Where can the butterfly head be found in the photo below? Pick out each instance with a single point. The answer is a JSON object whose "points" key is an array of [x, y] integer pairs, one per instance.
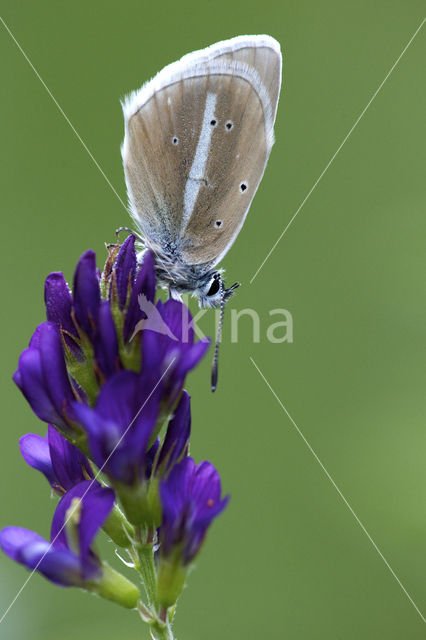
{"points": [[211, 291]]}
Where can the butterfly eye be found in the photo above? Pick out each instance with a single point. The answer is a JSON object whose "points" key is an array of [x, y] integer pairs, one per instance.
{"points": [[214, 287]]}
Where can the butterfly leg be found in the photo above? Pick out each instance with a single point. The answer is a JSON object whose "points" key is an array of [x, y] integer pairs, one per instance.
{"points": [[133, 233]]}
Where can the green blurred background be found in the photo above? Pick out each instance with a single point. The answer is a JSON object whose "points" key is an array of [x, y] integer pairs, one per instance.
{"points": [[287, 559]]}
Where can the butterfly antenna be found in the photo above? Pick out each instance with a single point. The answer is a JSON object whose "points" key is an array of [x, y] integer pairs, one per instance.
{"points": [[218, 336]]}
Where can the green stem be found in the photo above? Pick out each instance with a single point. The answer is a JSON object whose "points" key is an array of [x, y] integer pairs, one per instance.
{"points": [[148, 573], [160, 628], [156, 616], [161, 631]]}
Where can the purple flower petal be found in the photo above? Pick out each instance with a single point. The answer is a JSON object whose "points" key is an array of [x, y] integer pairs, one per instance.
{"points": [[34, 552], [125, 269], [35, 451], [58, 300], [177, 435], [192, 355], [103, 435], [69, 464], [145, 285], [86, 295], [96, 504], [190, 498], [57, 565], [30, 379], [54, 369], [35, 338], [106, 342], [172, 356], [120, 426], [13, 539], [117, 400], [179, 320]]}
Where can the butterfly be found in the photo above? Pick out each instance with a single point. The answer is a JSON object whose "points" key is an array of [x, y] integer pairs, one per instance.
{"points": [[197, 140]]}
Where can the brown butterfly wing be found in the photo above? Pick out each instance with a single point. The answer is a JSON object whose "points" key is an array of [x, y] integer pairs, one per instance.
{"points": [[182, 192], [235, 164], [159, 146], [264, 55]]}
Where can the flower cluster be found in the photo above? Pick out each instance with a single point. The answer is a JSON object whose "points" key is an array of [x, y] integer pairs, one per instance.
{"points": [[106, 372]]}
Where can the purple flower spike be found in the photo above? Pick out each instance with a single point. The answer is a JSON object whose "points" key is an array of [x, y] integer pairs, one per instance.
{"points": [[191, 499], [67, 560], [42, 377], [177, 436], [119, 428], [125, 269], [86, 295], [62, 463]]}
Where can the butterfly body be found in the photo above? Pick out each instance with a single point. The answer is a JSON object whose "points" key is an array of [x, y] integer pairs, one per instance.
{"points": [[178, 277]]}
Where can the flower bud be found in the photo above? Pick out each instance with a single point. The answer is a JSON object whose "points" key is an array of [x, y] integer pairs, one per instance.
{"points": [[115, 587]]}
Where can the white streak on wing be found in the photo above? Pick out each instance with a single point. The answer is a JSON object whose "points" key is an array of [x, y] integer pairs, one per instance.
{"points": [[196, 174]]}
